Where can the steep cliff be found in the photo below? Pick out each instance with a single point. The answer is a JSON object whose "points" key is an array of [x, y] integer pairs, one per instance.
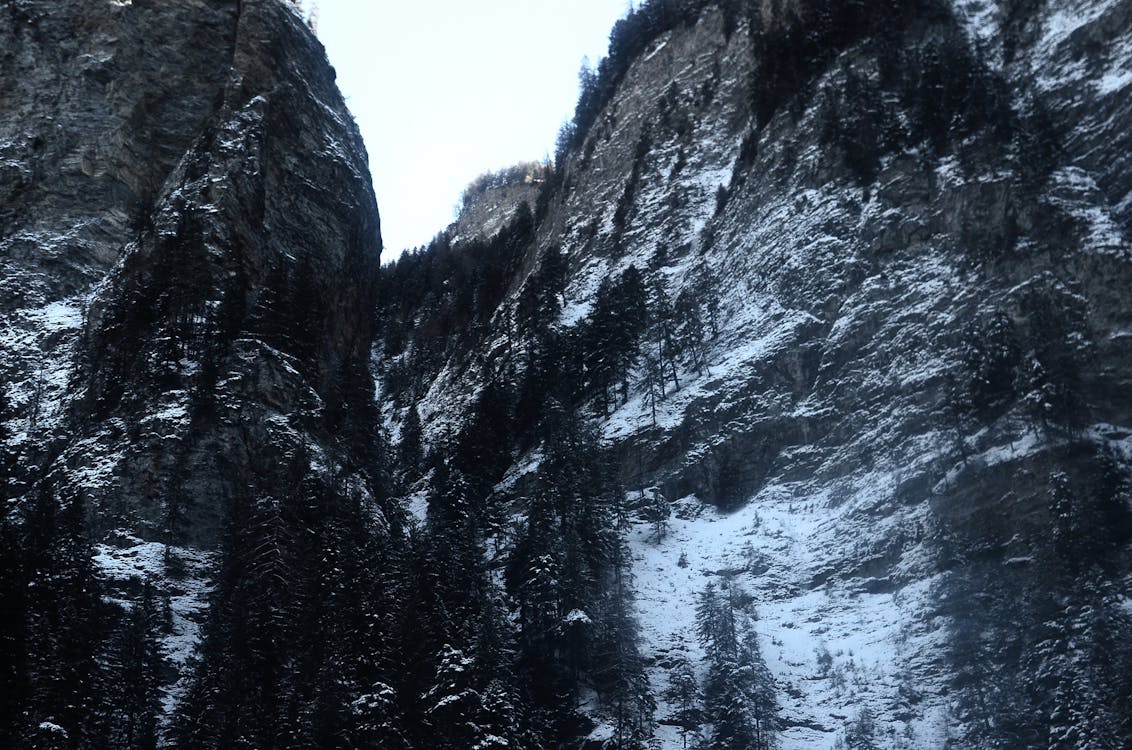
{"points": [[190, 244], [883, 382]]}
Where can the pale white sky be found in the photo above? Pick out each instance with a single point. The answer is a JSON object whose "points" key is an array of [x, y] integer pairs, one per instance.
{"points": [[444, 90]]}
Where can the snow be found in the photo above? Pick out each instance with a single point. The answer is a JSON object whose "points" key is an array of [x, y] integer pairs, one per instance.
{"points": [[417, 505], [527, 465], [776, 546], [577, 617], [636, 414], [170, 412], [656, 50], [1055, 63], [130, 558], [1114, 81], [1013, 451], [143, 560], [59, 315], [37, 380], [1071, 16], [573, 312], [1076, 191], [98, 470], [602, 733], [980, 18]]}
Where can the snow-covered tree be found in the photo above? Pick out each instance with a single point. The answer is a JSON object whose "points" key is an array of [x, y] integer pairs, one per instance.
{"points": [[683, 693], [657, 511], [739, 691]]}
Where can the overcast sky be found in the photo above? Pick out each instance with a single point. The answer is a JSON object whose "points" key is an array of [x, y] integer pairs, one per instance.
{"points": [[444, 90]]}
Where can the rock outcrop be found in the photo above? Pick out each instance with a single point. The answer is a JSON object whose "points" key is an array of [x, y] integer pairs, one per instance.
{"points": [[191, 216], [189, 248]]}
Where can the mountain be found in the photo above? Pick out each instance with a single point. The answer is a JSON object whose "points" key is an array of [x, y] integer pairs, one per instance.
{"points": [[789, 407], [190, 249]]}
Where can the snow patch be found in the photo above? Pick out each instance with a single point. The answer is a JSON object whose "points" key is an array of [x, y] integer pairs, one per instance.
{"points": [[832, 648], [1114, 81], [129, 559]]}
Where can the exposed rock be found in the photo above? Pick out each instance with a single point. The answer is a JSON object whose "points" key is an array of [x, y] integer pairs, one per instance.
{"points": [[232, 236], [189, 245]]}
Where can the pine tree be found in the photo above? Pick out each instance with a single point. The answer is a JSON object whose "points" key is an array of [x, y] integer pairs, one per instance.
{"points": [[452, 704], [663, 324], [683, 693], [174, 526], [483, 453], [131, 679], [739, 691], [410, 454], [619, 672], [657, 511], [499, 725], [860, 734], [992, 355], [553, 272], [567, 573], [609, 339], [1059, 347], [690, 332], [63, 620], [13, 613], [375, 718], [355, 572], [654, 384], [300, 634]]}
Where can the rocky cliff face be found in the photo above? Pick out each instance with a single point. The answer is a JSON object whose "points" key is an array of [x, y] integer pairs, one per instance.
{"points": [[189, 242], [904, 420], [190, 232]]}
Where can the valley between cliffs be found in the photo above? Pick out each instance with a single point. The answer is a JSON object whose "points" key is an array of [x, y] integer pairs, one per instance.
{"points": [[789, 406]]}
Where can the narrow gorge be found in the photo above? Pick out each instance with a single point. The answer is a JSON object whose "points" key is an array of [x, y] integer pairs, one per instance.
{"points": [[787, 406]]}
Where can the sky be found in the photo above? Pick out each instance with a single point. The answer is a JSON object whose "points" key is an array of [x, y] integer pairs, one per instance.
{"points": [[445, 90]]}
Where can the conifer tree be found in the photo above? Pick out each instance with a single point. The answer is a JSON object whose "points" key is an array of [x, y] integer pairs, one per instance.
{"points": [[410, 453], [739, 690], [654, 382], [131, 676], [64, 620], [13, 635], [663, 331], [683, 693], [13, 590], [619, 669], [860, 734], [657, 511], [452, 704], [690, 334]]}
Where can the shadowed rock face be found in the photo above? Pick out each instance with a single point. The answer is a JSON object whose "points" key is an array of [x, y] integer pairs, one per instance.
{"points": [[187, 196], [100, 102]]}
